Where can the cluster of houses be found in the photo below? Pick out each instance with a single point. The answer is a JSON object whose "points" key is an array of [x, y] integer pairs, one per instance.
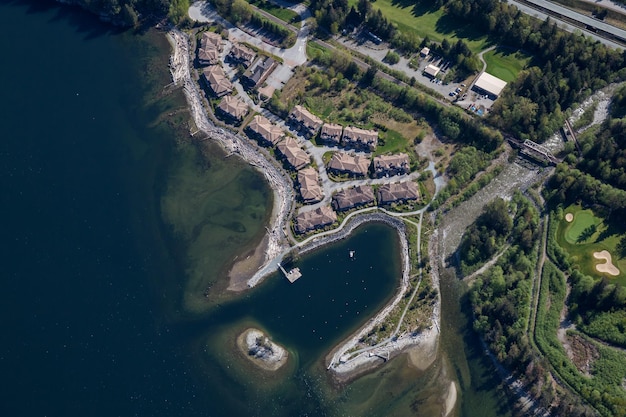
{"points": [[233, 109], [257, 69], [359, 196]]}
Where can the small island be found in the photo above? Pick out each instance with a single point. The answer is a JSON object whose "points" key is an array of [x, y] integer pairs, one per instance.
{"points": [[261, 351]]}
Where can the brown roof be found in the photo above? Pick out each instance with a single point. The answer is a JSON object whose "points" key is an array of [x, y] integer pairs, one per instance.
{"points": [[354, 164], [313, 219], [215, 77], [242, 54], [211, 40], [306, 118], [208, 56], [293, 153], [396, 164], [399, 191], [234, 107], [266, 129], [331, 132], [360, 138], [353, 197], [309, 185]]}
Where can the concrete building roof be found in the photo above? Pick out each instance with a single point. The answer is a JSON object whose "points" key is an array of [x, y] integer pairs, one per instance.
{"points": [[216, 78], [490, 84], [310, 188], [234, 107], [306, 118], [425, 51], [396, 164], [331, 132], [432, 70], [353, 164], [360, 138], [266, 129], [293, 153], [313, 219], [353, 197], [399, 191]]}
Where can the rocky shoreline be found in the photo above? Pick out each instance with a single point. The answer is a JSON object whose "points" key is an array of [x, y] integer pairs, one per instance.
{"points": [[275, 244], [259, 349]]}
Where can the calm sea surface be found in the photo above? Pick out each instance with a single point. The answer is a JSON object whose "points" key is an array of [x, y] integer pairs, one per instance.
{"points": [[115, 226]]}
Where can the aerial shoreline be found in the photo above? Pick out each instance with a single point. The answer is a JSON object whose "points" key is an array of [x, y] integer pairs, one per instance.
{"points": [[272, 246]]}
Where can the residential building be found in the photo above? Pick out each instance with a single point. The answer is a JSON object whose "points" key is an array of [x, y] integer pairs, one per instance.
{"points": [[353, 197], [357, 138], [265, 131], [295, 156], [331, 133], [398, 192], [240, 54], [306, 122], [216, 80], [390, 165], [315, 219], [233, 108], [310, 188], [356, 165], [258, 72], [210, 48]]}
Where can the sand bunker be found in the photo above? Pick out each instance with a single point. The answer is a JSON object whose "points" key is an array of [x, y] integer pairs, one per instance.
{"points": [[608, 266], [569, 217]]}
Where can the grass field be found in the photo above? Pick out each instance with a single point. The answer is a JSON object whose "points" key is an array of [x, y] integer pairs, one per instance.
{"points": [[505, 64], [283, 14], [428, 20], [570, 236]]}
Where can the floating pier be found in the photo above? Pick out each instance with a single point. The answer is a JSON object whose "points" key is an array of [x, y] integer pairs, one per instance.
{"points": [[292, 275]]}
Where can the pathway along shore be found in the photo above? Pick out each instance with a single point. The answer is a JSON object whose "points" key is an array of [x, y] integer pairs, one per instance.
{"points": [[343, 370]]}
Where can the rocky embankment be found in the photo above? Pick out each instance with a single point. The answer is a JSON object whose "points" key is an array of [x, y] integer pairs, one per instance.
{"points": [[180, 69], [258, 348]]}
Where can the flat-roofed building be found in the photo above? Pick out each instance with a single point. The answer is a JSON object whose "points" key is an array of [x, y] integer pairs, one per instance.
{"points": [[331, 133], [396, 164], [310, 188], [295, 156], [265, 131], [353, 197], [398, 192], [305, 121], [357, 138], [240, 54], [233, 108], [431, 70], [356, 165], [425, 51], [216, 80], [490, 85], [315, 219]]}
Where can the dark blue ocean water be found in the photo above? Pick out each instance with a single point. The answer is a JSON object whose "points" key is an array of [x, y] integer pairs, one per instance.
{"points": [[92, 318]]}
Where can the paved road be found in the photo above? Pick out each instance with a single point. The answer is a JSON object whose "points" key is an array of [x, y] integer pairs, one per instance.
{"points": [[565, 25]]}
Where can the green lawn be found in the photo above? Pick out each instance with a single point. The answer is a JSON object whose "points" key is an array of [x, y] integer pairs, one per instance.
{"points": [[505, 64], [428, 20], [605, 237], [283, 14], [393, 141]]}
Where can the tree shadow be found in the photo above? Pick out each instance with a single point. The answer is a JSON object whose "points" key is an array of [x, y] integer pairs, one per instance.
{"points": [[419, 8], [450, 25]]}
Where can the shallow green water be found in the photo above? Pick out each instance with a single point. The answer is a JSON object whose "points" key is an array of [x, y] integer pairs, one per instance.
{"points": [[114, 227]]}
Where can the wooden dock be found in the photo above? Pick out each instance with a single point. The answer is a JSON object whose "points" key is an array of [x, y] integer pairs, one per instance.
{"points": [[292, 275]]}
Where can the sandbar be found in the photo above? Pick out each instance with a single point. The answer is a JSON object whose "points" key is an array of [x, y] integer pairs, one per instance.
{"points": [[607, 267], [569, 217], [450, 399], [261, 351]]}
